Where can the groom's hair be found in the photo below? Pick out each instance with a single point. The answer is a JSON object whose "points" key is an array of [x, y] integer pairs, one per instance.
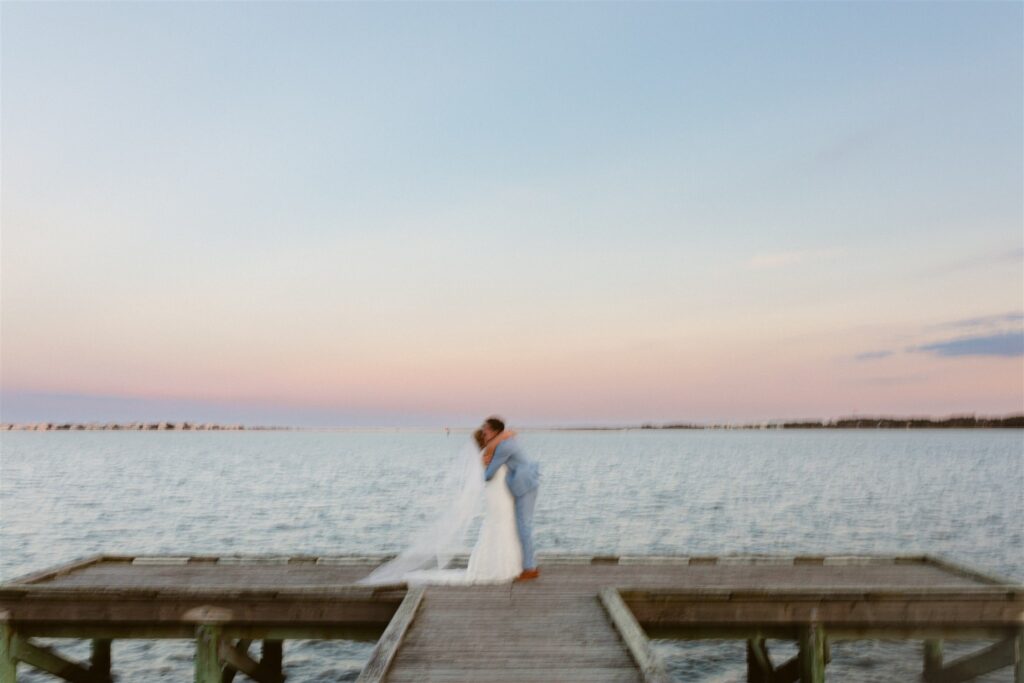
{"points": [[495, 423]]}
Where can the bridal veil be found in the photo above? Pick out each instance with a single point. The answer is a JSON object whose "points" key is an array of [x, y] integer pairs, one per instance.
{"points": [[434, 546]]}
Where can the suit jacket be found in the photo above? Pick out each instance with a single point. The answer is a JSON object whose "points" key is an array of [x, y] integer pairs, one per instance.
{"points": [[523, 474]]}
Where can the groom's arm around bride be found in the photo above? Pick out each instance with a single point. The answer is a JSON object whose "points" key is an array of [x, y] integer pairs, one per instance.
{"points": [[523, 480], [523, 473]]}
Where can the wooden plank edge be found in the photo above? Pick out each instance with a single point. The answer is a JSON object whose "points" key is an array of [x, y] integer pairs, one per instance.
{"points": [[652, 669], [969, 572], [742, 559], [260, 559], [384, 652], [1011, 594], [57, 570], [836, 632], [384, 593]]}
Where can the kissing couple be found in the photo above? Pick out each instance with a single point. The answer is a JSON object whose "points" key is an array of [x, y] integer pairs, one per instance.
{"points": [[495, 468]]}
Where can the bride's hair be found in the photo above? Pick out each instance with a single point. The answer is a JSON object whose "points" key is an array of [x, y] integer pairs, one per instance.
{"points": [[478, 435]]}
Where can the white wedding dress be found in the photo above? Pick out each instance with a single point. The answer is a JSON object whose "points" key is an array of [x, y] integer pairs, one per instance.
{"points": [[497, 556]]}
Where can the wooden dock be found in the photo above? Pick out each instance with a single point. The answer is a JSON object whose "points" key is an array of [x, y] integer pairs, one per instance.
{"points": [[586, 619]]}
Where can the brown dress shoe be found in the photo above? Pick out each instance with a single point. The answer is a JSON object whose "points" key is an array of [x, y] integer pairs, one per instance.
{"points": [[528, 574]]}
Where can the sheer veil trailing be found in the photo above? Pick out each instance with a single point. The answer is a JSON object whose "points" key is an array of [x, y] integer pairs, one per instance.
{"points": [[434, 546]]}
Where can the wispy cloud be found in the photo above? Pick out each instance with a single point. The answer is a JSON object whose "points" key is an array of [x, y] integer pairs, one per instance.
{"points": [[872, 355], [781, 259], [1006, 344], [997, 257], [859, 140], [984, 321], [895, 380], [998, 334]]}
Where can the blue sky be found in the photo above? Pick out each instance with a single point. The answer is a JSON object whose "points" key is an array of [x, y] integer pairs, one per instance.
{"points": [[420, 211]]}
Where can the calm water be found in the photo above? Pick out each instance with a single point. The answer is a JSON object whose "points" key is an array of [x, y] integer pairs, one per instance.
{"points": [[955, 493]]}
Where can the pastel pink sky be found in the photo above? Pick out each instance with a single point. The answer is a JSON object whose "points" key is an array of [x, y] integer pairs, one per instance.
{"points": [[352, 228]]}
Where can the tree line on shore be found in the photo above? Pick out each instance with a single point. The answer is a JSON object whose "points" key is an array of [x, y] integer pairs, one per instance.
{"points": [[868, 422], [130, 426]]}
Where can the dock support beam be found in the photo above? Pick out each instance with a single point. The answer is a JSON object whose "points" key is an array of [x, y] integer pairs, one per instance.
{"points": [[236, 658], [812, 654], [8, 664], [759, 664], [1018, 657], [208, 637], [987, 660], [228, 672]]}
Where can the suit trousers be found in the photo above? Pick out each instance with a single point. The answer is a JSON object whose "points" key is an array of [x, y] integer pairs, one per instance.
{"points": [[524, 524]]}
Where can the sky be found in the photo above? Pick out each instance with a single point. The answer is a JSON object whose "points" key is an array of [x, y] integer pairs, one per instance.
{"points": [[420, 214]]}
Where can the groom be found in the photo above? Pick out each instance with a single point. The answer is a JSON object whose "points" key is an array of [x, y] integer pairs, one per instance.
{"points": [[523, 479]]}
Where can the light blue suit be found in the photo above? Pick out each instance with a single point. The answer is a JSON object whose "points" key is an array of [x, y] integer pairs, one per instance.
{"points": [[523, 479]]}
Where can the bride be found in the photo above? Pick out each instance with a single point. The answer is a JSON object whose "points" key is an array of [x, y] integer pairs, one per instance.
{"points": [[497, 556]]}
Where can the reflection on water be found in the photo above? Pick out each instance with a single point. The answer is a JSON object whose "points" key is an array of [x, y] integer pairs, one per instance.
{"points": [[954, 493]]}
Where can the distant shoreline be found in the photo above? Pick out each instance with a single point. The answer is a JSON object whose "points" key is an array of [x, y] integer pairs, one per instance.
{"points": [[1012, 421], [131, 427], [863, 422]]}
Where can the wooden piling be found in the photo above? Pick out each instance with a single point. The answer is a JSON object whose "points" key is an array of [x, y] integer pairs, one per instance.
{"points": [[207, 658], [272, 655], [812, 653], [932, 657], [8, 664], [99, 662]]}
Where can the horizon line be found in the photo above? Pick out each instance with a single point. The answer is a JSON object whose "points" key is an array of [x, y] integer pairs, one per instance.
{"points": [[185, 425]]}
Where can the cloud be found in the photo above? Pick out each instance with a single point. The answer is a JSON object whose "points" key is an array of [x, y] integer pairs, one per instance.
{"points": [[779, 259], [999, 334], [984, 321], [895, 380], [854, 142], [1014, 255], [1004, 344], [872, 355], [30, 406]]}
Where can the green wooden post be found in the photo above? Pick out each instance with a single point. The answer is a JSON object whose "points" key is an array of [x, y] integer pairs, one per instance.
{"points": [[100, 660], [272, 655], [207, 653], [8, 664], [812, 654], [932, 658]]}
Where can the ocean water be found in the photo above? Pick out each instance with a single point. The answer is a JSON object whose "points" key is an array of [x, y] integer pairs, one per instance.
{"points": [[954, 493]]}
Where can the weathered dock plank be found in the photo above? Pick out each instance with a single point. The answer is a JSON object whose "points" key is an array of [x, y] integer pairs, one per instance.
{"points": [[525, 631]]}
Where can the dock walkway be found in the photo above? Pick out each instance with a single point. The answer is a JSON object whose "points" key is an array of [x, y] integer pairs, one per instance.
{"points": [[586, 618]]}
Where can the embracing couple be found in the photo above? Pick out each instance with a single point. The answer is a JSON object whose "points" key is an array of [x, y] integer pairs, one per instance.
{"points": [[511, 494], [493, 468]]}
